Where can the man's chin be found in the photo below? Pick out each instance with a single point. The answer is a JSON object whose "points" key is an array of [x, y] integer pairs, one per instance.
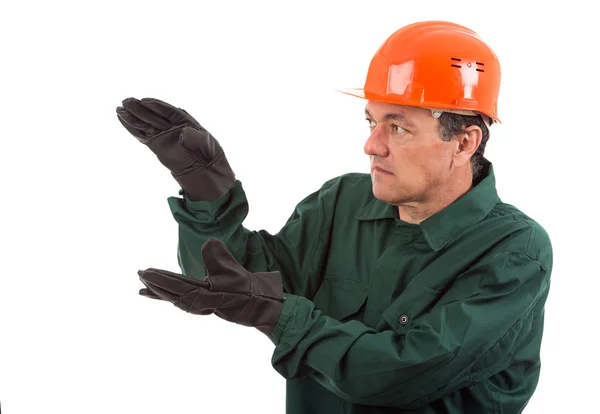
{"points": [[388, 192], [382, 193]]}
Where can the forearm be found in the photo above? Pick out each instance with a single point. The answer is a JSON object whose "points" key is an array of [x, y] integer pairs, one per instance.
{"points": [[223, 219], [350, 359], [386, 368], [296, 251]]}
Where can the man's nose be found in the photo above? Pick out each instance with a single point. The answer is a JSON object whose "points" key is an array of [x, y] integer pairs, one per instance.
{"points": [[376, 144]]}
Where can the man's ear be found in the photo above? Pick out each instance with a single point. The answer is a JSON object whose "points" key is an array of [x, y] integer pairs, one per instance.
{"points": [[468, 142]]}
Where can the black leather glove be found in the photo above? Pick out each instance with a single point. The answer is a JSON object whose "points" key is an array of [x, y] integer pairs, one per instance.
{"points": [[194, 157], [229, 291]]}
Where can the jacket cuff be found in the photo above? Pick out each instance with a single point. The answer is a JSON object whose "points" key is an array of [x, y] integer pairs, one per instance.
{"points": [[289, 306], [210, 207]]}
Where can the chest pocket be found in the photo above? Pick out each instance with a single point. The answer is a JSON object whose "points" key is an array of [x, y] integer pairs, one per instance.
{"points": [[340, 298], [406, 309]]}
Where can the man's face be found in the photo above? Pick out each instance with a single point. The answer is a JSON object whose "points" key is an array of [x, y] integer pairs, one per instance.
{"points": [[409, 161]]}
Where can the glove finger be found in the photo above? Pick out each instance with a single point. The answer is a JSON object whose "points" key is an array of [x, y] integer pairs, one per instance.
{"points": [[146, 115], [172, 282], [140, 135], [149, 294], [174, 115], [198, 301], [137, 123], [163, 294]]}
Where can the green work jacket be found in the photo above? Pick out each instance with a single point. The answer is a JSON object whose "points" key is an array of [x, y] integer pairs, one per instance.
{"points": [[383, 316]]}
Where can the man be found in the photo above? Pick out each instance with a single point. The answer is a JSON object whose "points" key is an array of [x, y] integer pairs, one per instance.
{"points": [[414, 289]]}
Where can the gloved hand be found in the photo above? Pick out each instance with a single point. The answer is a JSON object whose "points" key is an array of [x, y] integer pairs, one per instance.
{"points": [[229, 291], [194, 157]]}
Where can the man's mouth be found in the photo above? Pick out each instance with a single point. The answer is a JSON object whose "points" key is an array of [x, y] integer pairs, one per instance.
{"points": [[380, 170]]}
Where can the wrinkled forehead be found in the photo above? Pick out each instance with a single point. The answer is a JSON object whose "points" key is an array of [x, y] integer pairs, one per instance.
{"points": [[416, 113], [408, 114]]}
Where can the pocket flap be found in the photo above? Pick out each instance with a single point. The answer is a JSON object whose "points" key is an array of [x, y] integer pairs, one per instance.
{"points": [[340, 298], [409, 306]]}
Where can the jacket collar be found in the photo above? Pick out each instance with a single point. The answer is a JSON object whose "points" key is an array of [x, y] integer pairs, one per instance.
{"points": [[445, 225]]}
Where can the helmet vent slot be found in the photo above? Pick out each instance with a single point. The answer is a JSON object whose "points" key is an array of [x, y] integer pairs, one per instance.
{"points": [[468, 64]]}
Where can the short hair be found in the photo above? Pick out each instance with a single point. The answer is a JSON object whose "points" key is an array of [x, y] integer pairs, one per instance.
{"points": [[452, 124]]}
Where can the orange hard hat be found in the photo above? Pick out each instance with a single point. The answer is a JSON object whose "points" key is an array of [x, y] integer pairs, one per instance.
{"points": [[436, 65]]}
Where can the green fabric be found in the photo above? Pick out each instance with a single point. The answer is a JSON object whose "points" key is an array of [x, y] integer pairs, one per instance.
{"points": [[383, 316]]}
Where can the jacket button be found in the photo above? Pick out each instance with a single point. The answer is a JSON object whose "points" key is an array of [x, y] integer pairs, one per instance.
{"points": [[403, 319]]}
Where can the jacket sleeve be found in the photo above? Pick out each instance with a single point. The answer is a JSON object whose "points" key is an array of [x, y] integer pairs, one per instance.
{"points": [[294, 250], [466, 337]]}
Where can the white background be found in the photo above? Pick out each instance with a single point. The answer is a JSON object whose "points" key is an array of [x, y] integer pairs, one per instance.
{"points": [[84, 205]]}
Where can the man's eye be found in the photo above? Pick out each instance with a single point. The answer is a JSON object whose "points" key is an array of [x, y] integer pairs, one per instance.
{"points": [[371, 123], [397, 129]]}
